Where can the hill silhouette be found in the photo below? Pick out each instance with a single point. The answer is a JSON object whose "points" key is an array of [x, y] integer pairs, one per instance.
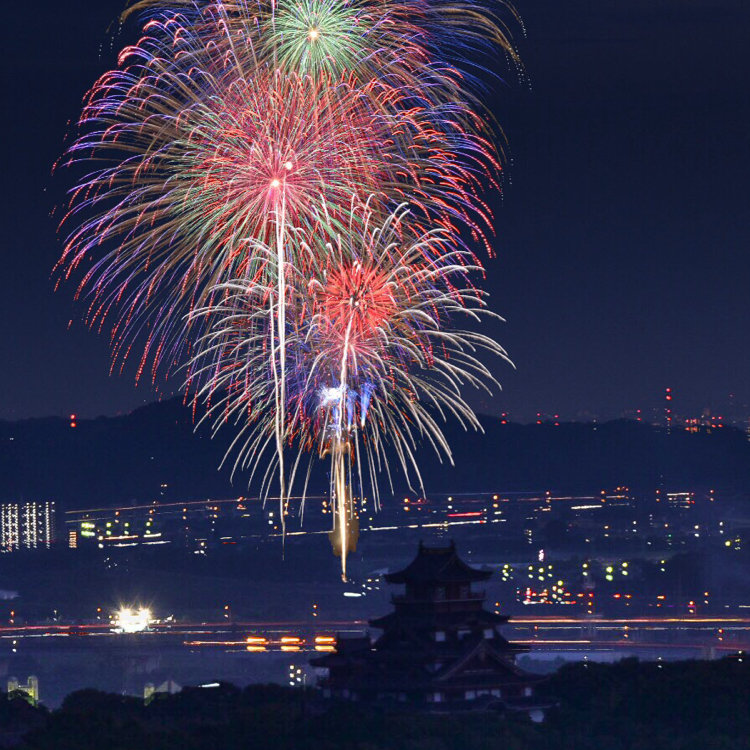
{"points": [[111, 460]]}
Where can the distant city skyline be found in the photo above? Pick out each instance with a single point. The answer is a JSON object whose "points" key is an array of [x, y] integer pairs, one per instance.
{"points": [[729, 409]]}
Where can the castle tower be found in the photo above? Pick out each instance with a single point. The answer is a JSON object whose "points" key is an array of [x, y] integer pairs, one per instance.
{"points": [[439, 647]]}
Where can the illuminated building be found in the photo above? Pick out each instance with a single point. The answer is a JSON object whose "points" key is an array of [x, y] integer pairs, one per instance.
{"points": [[168, 687], [681, 500], [194, 524], [297, 675], [668, 414], [439, 648], [30, 689], [10, 538], [26, 525]]}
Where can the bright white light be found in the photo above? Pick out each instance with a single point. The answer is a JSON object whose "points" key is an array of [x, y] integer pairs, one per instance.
{"points": [[313, 34], [330, 395], [275, 182], [127, 620]]}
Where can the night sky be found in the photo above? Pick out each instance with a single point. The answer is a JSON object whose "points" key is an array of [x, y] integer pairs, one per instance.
{"points": [[623, 241]]}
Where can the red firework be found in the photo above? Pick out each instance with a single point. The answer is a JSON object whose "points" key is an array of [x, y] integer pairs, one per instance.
{"points": [[357, 298]]}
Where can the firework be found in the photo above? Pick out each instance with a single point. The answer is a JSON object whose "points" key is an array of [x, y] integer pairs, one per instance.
{"points": [[374, 351], [202, 149], [403, 42], [221, 227]]}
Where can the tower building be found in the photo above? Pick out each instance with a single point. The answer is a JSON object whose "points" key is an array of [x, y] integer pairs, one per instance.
{"points": [[26, 525], [439, 648]]}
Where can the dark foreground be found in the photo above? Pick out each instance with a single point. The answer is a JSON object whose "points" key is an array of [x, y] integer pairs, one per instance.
{"points": [[629, 705]]}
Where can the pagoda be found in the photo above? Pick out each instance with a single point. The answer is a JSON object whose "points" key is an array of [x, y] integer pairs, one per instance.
{"points": [[439, 648]]}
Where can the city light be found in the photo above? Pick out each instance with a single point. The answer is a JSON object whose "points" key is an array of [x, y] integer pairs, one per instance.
{"points": [[130, 620]]}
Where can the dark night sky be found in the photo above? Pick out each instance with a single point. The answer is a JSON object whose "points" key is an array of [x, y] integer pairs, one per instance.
{"points": [[623, 239]]}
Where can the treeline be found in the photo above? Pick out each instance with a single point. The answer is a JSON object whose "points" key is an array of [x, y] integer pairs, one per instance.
{"points": [[625, 706], [108, 461]]}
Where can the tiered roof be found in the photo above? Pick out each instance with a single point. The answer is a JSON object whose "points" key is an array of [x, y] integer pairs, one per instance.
{"points": [[439, 565], [431, 645]]}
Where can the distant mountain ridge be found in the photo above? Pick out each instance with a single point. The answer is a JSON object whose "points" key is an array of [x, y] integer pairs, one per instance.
{"points": [[111, 460]]}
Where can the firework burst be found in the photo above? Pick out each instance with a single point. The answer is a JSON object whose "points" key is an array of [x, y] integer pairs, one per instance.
{"points": [[201, 149], [220, 226], [374, 353]]}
